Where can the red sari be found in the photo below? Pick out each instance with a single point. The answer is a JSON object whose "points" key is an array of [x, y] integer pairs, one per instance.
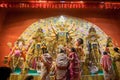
{"points": [[106, 63], [74, 66]]}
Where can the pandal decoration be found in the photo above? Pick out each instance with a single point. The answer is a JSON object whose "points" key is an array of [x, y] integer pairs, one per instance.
{"points": [[54, 32]]}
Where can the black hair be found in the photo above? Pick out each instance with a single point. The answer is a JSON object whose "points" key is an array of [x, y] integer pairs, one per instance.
{"points": [[105, 53], [73, 49], [30, 77], [46, 51], [80, 40], [107, 45], [116, 49], [62, 51], [5, 73]]}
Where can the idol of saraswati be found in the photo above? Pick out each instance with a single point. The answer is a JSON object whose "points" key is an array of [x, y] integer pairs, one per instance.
{"points": [[93, 46]]}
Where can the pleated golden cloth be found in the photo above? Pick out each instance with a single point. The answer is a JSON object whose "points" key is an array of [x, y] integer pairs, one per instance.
{"points": [[37, 77]]}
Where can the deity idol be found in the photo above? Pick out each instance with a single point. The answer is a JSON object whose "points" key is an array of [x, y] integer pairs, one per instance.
{"points": [[38, 38], [16, 53], [61, 35], [35, 49], [93, 46]]}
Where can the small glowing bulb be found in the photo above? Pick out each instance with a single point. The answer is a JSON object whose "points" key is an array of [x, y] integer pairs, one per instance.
{"points": [[62, 19]]}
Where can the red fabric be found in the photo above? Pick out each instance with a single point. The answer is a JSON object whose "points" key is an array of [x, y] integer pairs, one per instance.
{"points": [[106, 62], [74, 65]]}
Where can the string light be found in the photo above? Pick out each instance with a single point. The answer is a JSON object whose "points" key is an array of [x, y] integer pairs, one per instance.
{"points": [[61, 4]]}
